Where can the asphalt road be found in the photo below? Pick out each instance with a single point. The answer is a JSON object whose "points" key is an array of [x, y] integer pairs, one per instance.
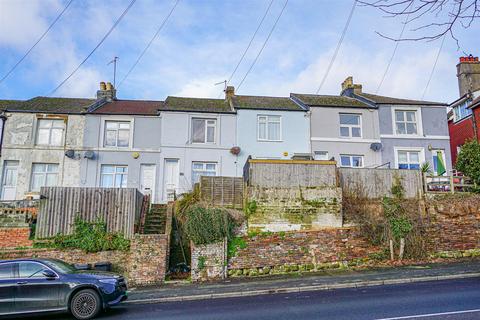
{"points": [[451, 300]]}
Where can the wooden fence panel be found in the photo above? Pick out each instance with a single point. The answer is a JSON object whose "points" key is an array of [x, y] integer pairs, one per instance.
{"points": [[222, 191], [291, 173], [118, 207], [376, 183]]}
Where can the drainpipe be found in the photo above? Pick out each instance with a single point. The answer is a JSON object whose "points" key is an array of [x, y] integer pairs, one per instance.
{"points": [[3, 118]]}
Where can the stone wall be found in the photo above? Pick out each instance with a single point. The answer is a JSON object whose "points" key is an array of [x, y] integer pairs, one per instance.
{"points": [[296, 208], [298, 251], [454, 222], [209, 261], [143, 264]]}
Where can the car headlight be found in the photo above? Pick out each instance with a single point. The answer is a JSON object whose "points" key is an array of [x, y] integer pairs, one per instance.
{"points": [[109, 281]]}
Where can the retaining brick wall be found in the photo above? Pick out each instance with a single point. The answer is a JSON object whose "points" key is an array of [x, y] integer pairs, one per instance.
{"points": [[14, 237], [208, 261], [300, 250], [143, 264]]}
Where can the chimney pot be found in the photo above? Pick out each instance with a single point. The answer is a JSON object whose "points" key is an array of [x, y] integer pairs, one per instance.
{"points": [[107, 91], [102, 86], [229, 92]]}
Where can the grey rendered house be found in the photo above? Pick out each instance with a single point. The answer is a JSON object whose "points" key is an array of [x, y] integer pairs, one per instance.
{"points": [[412, 132], [42, 145], [343, 129]]}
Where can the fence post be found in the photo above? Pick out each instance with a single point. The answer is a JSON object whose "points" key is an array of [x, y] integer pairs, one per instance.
{"points": [[452, 185], [425, 185]]}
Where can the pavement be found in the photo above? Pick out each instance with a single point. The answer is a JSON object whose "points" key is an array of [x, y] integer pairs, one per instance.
{"points": [[457, 299], [242, 287]]}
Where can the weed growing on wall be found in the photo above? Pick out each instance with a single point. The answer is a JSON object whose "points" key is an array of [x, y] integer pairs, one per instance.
{"points": [[90, 237], [234, 244]]}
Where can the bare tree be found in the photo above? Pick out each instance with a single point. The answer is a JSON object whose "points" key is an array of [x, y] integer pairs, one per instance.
{"points": [[430, 19]]}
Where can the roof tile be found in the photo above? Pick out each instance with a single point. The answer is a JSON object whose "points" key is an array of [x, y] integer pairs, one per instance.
{"points": [[389, 100], [265, 103], [196, 105], [316, 100]]}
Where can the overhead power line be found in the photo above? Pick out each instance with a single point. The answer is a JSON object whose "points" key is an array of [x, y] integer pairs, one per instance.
{"points": [[264, 45], [96, 47], [37, 42], [393, 55], [344, 32], [150, 42], [250, 43], [434, 67]]}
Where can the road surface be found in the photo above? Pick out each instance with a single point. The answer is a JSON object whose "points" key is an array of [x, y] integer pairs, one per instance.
{"points": [[451, 300]]}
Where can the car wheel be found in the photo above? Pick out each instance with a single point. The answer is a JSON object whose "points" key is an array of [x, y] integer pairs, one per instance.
{"points": [[85, 304]]}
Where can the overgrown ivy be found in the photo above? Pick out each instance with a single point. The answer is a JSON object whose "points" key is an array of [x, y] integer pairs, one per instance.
{"points": [[90, 237]]}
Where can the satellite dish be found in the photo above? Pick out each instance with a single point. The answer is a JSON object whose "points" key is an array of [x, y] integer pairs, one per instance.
{"points": [[70, 153], [376, 146], [89, 155]]}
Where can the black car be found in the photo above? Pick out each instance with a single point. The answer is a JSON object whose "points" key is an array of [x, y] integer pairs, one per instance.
{"points": [[42, 285]]}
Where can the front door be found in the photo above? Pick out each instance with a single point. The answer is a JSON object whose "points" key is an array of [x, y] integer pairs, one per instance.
{"points": [[148, 173], [171, 179], [9, 180]]}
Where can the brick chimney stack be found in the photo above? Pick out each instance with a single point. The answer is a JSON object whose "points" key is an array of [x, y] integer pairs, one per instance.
{"points": [[468, 74], [107, 91], [229, 92], [349, 86]]}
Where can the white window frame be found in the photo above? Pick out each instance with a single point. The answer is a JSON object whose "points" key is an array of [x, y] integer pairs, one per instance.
{"points": [[204, 164], [45, 175], [318, 152], [114, 175], [267, 122], [351, 160], [418, 117], [52, 127], [457, 116], [409, 149], [350, 126], [117, 120], [206, 126]]}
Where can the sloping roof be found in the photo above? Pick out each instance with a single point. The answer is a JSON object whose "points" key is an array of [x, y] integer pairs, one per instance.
{"points": [[4, 104], [196, 105], [389, 100], [475, 103], [315, 100], [265, 103], [50, 105], [130, 107]]}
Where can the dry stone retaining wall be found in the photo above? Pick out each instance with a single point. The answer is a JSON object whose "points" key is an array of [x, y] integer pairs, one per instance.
{"points": [[209, 261]]}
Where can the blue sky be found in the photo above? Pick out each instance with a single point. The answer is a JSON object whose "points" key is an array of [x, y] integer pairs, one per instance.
{"points": [[203, 41]]}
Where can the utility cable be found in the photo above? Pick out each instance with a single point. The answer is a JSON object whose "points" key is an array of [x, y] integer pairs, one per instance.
{"points": [[96, 47], [393, 55], [37, 42], [338, 47], [433, 69], [150, 42], [264, 45]]}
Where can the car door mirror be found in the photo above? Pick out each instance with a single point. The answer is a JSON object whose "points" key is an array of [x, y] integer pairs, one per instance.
{"points": [[49, 274]]}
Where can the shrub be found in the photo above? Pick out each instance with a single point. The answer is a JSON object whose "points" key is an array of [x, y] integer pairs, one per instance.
{"points": [[468, 160], [91, 237], [208, 225]]}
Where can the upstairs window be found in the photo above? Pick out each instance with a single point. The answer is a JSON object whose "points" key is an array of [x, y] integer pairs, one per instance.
{"points": [[50, 132], [113, 176], [406, 122], [44, 175], [269, 128], [117, 134], [203, 130], [462, 111], [350, 125]]}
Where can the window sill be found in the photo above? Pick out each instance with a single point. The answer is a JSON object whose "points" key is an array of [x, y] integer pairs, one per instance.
{"points": [[258, 140]]}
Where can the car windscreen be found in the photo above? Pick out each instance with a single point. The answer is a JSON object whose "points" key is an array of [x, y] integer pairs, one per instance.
{"points": [[60, 266]]}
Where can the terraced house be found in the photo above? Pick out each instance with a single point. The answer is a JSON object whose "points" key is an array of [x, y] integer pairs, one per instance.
{"points": [[42, 144], [412, 132]]}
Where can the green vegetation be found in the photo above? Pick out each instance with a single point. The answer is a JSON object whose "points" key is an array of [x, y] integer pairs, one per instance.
{"points": [[88, 236], [468, 161], [250, 208], [201, 262], [234, 244]]}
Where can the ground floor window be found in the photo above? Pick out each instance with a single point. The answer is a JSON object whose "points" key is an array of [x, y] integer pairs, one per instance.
{"points": [[408, 159], [203, 169], [351, 161], [321, 155], [113, 176], [44, 175]]}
